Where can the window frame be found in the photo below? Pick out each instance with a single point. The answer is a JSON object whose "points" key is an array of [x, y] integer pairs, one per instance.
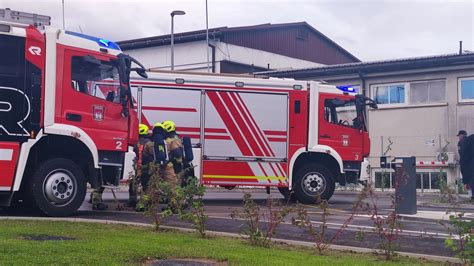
{"points": [[460, 99], [429, 102], [95, 83], [406, 86]]}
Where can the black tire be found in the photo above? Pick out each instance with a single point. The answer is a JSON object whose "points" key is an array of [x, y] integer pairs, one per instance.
{"points": [[58, 187], [313, 182], [287, 194]]}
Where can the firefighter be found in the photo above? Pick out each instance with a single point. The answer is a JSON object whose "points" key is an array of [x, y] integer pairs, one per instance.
{"points": [[466, 160], [155, 152], [141, 162], [174, 145]]}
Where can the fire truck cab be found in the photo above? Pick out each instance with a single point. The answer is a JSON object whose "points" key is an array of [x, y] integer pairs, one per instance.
{"points": [[58, 131]]}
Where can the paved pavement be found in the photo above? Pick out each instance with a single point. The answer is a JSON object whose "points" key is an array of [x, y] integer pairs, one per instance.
{"points": [[421, 233]]}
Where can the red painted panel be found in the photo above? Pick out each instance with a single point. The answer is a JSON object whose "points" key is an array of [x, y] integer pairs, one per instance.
{"points": [[9, 152], [273, 132], [35, 50], [226, 168], [335, 134], [298, 122], [107, 132], [169, 109]]}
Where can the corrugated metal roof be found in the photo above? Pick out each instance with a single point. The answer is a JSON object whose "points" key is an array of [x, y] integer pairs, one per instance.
{"points": [[378, 66]]}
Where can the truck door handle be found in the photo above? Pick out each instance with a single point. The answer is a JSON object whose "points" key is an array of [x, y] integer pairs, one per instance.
{"points": [[73, 117], [325, 136]]}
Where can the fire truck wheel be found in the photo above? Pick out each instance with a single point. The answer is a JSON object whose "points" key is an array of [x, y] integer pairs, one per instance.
{"points": [[58, 187], [313, 181]]}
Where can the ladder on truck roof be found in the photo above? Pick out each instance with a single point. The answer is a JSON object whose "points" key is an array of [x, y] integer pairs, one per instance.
{"points": [[39, 21]]}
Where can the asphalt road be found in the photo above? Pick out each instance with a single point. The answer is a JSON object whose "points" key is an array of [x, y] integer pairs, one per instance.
{"points": [[419, 235]]}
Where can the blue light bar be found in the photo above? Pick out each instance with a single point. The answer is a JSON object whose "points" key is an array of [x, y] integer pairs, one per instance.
{"points": [[347, 88], [99, 41]]}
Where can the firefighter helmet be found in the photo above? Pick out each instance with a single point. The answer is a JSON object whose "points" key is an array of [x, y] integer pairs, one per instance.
{"points": [[143, 129], [169, 126], [158, 125]]}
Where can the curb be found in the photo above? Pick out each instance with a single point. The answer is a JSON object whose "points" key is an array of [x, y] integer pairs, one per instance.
{"points": [[232, 235]]}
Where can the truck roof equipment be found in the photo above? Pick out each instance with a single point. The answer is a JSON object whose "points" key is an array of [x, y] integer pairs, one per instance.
{"points": [[39, 21]]}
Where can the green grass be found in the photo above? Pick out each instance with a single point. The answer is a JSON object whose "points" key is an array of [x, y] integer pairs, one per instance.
{"points": [[120, 244]]}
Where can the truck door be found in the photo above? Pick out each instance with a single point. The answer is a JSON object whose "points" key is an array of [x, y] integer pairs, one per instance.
{"points": [[90, 99], [246, 138], [338, 126]]}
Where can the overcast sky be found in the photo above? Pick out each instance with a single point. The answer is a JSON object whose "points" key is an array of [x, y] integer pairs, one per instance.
{"points": [[369, 29]]}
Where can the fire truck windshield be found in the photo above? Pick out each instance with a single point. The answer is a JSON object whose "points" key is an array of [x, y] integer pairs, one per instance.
{"points": [[341, 112], [95, 77]]}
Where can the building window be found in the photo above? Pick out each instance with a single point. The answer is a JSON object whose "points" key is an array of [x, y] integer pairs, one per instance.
{"points": [[428, 92], [466, 90], [389, 94]]}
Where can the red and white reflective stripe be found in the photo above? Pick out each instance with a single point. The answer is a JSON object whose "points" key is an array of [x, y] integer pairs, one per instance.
{"points": [[260, 136], [429, 164], [5, 155], [8, 159], [245, 131]]}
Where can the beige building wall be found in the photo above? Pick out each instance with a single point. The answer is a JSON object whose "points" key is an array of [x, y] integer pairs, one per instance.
{"points": [[416, 130]]}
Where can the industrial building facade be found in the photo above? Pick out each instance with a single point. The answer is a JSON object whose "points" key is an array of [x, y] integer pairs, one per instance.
{"points": [[423, 102], [241, 49]]}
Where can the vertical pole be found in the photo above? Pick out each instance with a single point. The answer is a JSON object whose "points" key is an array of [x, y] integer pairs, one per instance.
{"points": [[140, 103], [64, 22], [172, 43], [207, 39]]}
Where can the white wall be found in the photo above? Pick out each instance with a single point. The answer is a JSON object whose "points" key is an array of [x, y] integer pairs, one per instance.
{"points": [[192, 56], [187, 56], [259, 58]]}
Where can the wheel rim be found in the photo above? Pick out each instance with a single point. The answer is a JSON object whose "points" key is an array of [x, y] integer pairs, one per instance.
{"points": [[60, 187], [313, 183]]}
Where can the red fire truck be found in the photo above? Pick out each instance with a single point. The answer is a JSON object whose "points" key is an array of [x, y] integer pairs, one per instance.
{"points": [[300, 136], [58, 132]]}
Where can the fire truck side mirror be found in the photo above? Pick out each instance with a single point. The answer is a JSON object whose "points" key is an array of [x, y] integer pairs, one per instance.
{"points": [[141, 72]]}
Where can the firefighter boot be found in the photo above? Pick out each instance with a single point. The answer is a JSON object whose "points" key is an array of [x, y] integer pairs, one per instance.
{"points": [[97, 203], [132, 193]]}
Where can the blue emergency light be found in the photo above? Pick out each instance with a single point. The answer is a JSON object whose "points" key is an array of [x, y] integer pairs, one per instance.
{"points": [[104, 42], [100, 42], [346, 88]]}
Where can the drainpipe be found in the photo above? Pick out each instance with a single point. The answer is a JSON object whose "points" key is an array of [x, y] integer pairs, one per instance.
{"points": [[362, 83], [213, 49]]}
